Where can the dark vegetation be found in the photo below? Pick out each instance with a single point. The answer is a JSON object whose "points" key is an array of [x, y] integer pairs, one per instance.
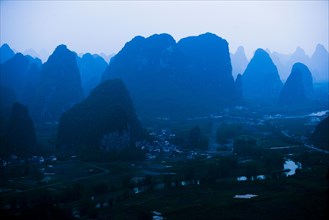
{"points": [[320, 135], [19, 133], [195, 135], [107, 109], [209, 191], [226, 132]]}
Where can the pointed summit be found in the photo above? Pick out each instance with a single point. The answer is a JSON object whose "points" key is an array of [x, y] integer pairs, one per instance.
{"points": [[261, 80], [61, 53], [60, 85], [299, 52], [239, 61], [261, 54], [240, 51], [320, 48], [299, 56], [298, 87], [6, 53]]}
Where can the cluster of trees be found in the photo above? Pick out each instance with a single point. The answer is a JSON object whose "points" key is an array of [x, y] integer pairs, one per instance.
{"points": [[17, 134], [191, 139], [320, 136], [227, 131]]}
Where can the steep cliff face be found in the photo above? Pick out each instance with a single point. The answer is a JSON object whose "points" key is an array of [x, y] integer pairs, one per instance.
{"points": [[298, 87], [106, 119], [60, 85], [194, 75], [207, 68], [261, 81]]}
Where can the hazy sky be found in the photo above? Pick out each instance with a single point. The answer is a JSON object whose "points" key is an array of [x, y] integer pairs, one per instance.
{"points": [[105, 26]]}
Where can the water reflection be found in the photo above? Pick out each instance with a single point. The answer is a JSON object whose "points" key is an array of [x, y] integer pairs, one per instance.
{"points": [[244, 178], [162, 185], [290, 167], [241, 178], [245, 196]]}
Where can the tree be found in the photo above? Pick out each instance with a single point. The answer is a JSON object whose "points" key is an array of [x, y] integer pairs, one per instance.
{"points": [[195, 139], [227, 131], [246, 146]]}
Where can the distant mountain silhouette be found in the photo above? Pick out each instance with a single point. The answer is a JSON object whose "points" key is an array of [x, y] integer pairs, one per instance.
{"points": [[299, 86], [261, 81], [60, 85], [106, 120], [299, 56], [6, 53], [320, 135], [239, 61], [281, 62], [21, 139], [194, 75], [91, 69], [106, 57], [32, 53], [319, 63], [21, 74]]}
